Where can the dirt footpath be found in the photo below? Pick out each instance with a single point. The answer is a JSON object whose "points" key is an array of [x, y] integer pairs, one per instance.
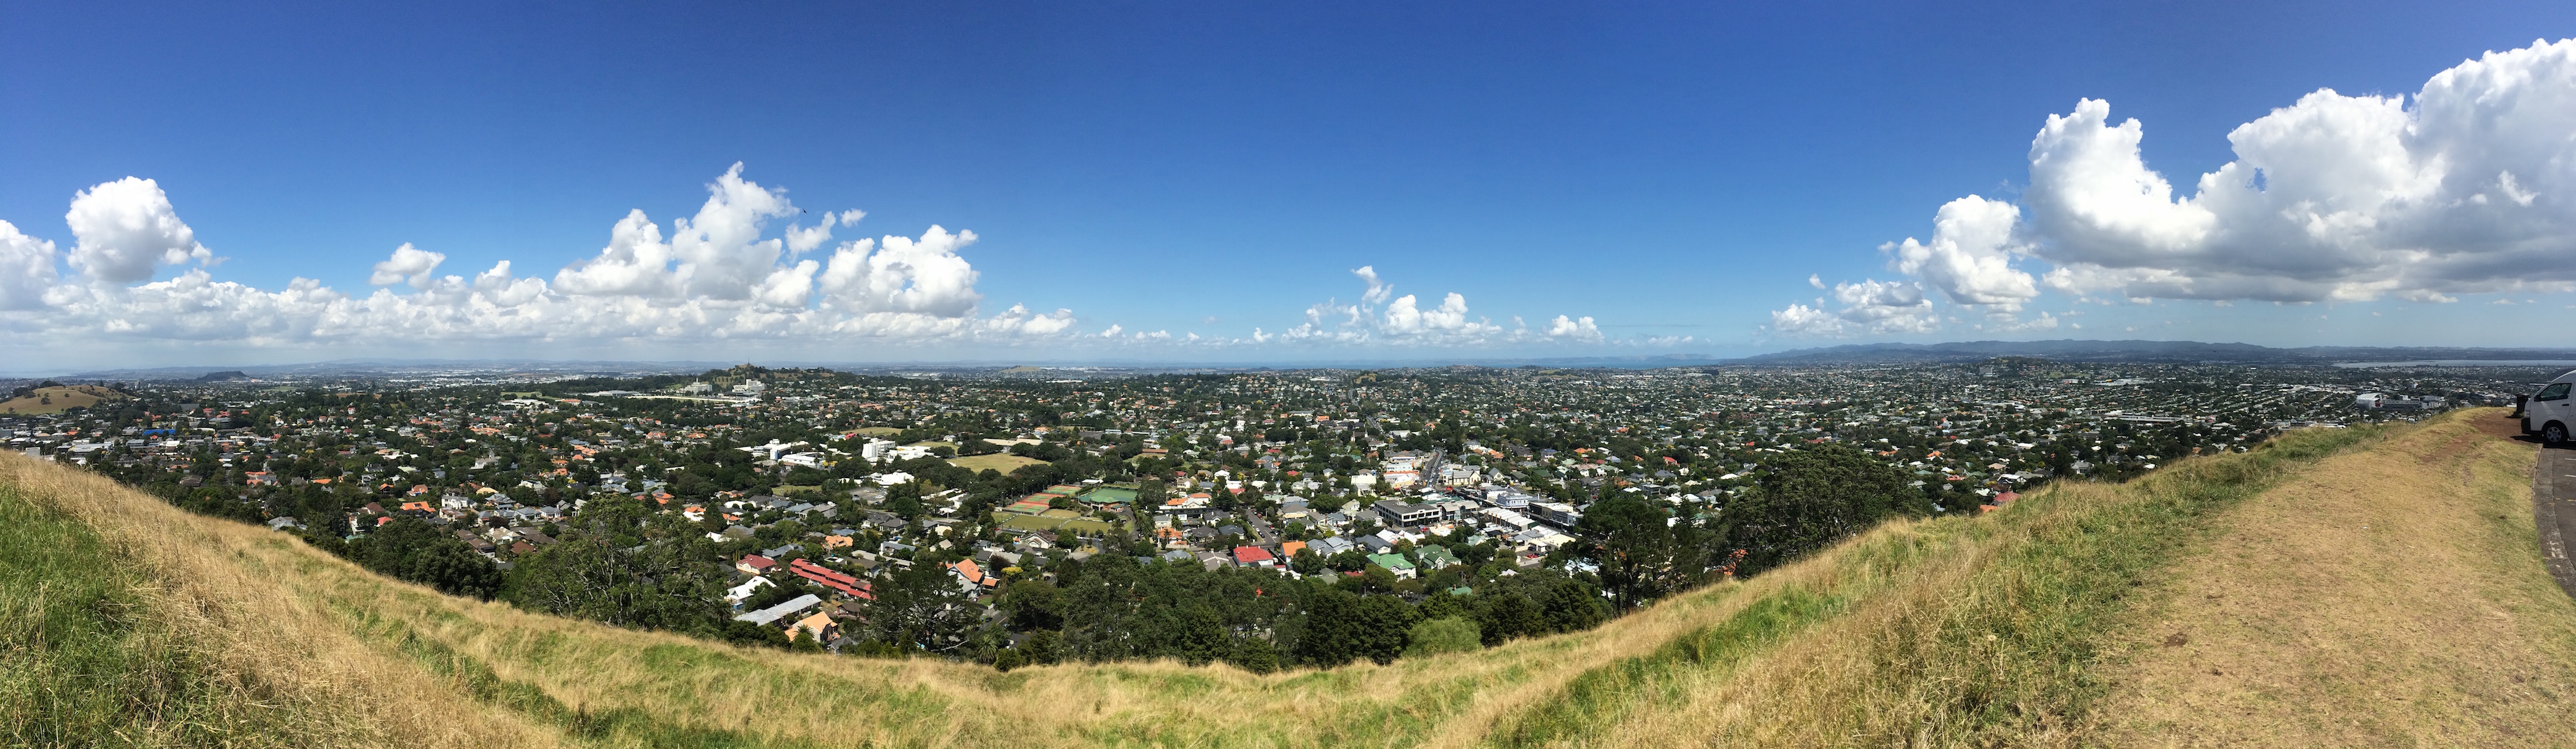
{"points": [[2392, 597]]}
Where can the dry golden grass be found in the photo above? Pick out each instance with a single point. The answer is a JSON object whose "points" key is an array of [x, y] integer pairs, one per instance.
{"points": [[1003, 462], [54, 400], [2021, 631], [1883, 640], [2373, 602], [279, 652]]}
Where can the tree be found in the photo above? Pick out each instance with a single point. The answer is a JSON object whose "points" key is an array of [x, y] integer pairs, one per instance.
{"points": [[411, 549], [1255, 655], [747, 633], [1305, 562], [1342, 626], [1033, 605], [904, 500], [1041, 647], [1505, 615], [611, 568], [1640, 555], [922, 607], [1809, 499]]}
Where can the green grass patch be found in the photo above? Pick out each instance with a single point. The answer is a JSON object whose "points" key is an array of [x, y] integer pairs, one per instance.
{"points": [[86, 660], [1602, 695], [1050, 521]]}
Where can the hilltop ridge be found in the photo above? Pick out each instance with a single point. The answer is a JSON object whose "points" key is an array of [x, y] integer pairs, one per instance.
{"points": [[2044, 623], [2072, 350]]}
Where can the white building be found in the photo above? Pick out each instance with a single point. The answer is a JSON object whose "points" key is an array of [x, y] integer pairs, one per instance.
{"points": [[736, 594]]}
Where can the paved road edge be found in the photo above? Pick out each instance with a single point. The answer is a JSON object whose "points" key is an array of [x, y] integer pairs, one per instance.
{"points": [[2553, 508]]}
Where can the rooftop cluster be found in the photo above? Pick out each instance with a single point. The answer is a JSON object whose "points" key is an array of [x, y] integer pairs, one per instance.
{"points": [[1268, 519]]}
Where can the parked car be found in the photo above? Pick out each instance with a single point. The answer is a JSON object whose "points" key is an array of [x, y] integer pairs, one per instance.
{"points": [[2550, 413]]}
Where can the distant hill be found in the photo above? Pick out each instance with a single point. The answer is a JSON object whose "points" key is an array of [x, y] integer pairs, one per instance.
{"points": [[2136, 351], [366, 368], [2082, 614], [56, 399]]}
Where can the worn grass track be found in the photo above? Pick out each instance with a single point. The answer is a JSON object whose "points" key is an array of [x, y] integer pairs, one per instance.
{"points": [[2367, 603], [1964, 631]]}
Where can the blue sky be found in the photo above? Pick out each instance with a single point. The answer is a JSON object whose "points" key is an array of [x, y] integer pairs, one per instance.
{"points": [[1666, 171]]}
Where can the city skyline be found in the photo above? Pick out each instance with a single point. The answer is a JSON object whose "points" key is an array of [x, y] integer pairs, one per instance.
{"points": [[264, 187]]}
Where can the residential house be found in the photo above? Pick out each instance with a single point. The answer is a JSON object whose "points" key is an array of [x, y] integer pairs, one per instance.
{"points": [[973, 579], [830, 578], [818, 626], [766, 617], [739, 593], [1396, 563]]}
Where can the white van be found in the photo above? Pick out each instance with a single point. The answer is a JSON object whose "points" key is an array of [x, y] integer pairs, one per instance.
{"points": [[2550, 413]]}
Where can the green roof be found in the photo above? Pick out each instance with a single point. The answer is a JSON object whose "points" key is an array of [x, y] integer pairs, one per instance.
{"points": [[1391, 561]]}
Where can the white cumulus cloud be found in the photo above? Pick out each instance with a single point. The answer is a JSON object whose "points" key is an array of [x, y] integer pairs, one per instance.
{"points": [[2463, 189], [126, 229], [1383, 317], [901, 274], [407, 265], [1969, 259], [26, 269], [2468, 186], [717, 277], [1579, 328], [1870, 307]]}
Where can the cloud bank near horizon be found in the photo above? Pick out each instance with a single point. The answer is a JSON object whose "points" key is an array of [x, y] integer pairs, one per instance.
{"points": [[2464, 189], [720, 275]]}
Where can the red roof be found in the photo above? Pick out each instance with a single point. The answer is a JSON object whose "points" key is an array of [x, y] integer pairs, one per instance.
{"points": [[1250, 555], [833, 579], [758, 562]]}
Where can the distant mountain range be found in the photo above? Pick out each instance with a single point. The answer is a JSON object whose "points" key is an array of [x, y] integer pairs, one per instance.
{"points": [[2140, 351]]}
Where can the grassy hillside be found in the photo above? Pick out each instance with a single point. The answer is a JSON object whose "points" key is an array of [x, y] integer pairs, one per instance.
{"points": [[59, 398], [2038, 625]]}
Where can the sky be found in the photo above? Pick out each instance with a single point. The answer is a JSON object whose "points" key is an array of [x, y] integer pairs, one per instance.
{"points": [[243, 183]]}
